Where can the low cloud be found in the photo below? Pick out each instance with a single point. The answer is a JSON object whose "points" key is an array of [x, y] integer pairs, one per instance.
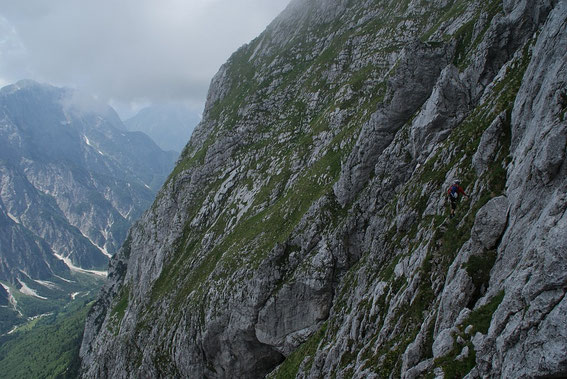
{"points": [[77, 101], [129, 51]]}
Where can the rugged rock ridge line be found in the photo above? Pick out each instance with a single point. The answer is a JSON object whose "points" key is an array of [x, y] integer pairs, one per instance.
{"points": [[305, 231], [72, 181]]}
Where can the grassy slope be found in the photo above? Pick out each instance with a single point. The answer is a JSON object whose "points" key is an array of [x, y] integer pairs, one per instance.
{"points": [[46, 334], [47, 347]]}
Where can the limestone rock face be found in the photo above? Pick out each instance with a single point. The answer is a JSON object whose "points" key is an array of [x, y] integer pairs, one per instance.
{"points": [[305, 231], [417, 71], [445, 108], [490, 222], [488, 145]]}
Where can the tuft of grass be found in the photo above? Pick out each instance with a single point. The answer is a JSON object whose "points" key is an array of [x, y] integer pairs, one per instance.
{"points": [[290, 367], [453, 368], [480, 318]]}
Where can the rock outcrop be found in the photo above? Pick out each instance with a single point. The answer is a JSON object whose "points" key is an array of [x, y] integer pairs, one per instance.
{"points": [[305, 230]]}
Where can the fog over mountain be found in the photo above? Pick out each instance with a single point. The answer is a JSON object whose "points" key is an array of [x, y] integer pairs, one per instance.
{"points": [[169, 125], [130, 52]]}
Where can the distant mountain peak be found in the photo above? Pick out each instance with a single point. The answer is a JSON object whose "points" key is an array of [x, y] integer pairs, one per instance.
{"points": [[72, 180], [24, 84], [169, 125]]}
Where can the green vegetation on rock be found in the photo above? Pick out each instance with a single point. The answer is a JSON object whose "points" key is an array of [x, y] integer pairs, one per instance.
{"points": [[308, 220]]}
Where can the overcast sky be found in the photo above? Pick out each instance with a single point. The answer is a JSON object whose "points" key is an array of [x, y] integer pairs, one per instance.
{"points": [[127, 52]]}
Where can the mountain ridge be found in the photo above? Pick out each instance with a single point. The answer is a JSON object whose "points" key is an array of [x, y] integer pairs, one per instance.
{"points": [[304, 230], [72, 180]]}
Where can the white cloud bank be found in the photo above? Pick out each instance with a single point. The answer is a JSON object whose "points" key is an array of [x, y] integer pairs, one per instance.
{"points": [[128, 51]]}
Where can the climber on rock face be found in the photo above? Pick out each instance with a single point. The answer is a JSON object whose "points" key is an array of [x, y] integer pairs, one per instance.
{"points": [[453, 194]]}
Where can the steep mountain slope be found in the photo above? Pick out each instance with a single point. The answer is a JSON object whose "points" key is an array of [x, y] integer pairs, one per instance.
{"points": [[72, 180], [169, 125], [305, 231]]}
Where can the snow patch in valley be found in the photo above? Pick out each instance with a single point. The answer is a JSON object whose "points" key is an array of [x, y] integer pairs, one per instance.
{"points": [[13, 218], [88, 142], [63, 279], [47, 284], [102, 249], [40, 316], [78, 269], [28, 291], [15, 328], [124, 215]]}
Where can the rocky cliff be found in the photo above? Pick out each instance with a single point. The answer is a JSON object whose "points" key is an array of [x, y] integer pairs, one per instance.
{"points": [[305, 230]]}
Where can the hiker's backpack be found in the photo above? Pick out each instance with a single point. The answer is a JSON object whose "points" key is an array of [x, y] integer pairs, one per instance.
{"points": [[454, 191]]}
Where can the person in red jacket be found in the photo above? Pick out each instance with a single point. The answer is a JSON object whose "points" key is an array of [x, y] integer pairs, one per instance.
{"points": [[453, 193]]}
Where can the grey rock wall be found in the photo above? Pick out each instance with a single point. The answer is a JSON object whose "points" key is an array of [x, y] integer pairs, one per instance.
{"points": [[305, 231]]}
